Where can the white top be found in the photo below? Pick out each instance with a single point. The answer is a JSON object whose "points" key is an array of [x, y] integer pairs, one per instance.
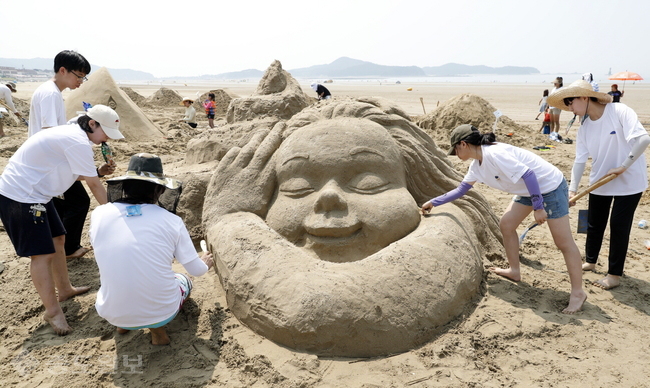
{"points": [[190, 115], [47, 164], [5, 93], [134, 256], [608, 141], [503, 166], [47, 108]]}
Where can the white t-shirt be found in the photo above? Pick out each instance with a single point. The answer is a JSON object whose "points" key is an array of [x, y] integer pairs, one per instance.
{"points": [[134, 256], [5, 93], [503, 166], [608, 141], [47, 164], [47, 108]]}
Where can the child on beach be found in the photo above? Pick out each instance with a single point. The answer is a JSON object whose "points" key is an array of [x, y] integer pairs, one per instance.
{"points": [[190, 112], [210, 107], [546, 125], [538, 186], [542, 104]]}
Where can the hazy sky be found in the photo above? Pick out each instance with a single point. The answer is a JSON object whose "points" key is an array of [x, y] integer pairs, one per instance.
{"points": [[210, 37]]}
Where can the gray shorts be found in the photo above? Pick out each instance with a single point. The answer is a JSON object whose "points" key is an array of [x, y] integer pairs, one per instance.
{"points": [[554, 111]]}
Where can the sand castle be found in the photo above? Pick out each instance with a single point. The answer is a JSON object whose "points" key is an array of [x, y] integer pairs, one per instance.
{"points": [[318, 239], [101, 89]]}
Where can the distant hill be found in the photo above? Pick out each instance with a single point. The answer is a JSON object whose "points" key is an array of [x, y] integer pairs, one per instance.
{"points": [[249, 73], [48, 64], [348, 67], [451, 69]]}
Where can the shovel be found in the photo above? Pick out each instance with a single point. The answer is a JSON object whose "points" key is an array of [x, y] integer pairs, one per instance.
{"points": [[583, 215]]}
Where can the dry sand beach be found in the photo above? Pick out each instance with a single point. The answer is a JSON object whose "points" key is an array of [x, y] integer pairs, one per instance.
{"points": [[513, 336]]}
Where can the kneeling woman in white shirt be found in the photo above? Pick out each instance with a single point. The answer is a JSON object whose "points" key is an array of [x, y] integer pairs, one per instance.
{"points": [[538, 186], [135, 242]]}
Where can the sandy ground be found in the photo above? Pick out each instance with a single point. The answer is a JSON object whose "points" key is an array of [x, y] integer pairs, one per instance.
{"points": [[515, 336]]}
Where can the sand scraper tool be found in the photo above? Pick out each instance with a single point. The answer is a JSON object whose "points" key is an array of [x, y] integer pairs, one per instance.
{"points": [[582, 214]]}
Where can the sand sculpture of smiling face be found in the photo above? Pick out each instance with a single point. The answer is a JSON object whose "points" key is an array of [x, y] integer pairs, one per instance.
{"points": [[317, 238], [342, 190]]}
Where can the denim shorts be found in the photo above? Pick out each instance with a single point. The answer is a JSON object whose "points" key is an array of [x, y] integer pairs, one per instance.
{"points": [[556, 202]]}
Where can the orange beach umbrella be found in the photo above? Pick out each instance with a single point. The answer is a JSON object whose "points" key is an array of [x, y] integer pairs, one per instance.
{"points": [[626, 76]]}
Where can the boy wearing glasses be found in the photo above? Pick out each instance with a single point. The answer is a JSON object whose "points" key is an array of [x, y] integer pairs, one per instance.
{"points": [[47, 108]]}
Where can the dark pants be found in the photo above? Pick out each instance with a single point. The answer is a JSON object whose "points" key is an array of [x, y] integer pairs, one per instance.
{"points": [[619, 228], [73, 210]]}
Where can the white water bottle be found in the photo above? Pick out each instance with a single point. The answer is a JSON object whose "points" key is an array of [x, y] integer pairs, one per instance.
{"points": [[643, 224]]}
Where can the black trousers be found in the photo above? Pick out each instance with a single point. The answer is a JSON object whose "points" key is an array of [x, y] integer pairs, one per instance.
{"points": [[72, 211], [620, 224]]}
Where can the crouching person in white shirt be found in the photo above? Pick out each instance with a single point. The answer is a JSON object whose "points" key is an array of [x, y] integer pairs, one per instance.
{"points": [[135, 242]]}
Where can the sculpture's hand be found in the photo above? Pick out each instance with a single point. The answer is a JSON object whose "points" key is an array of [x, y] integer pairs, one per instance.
{"points": [[244, 177]]}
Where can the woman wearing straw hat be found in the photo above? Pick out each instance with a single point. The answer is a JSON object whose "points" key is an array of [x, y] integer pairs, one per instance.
{"points": [[135, 242], [190, 112], [612, 136]]}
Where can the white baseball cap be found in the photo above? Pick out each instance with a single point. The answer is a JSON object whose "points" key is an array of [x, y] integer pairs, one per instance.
{"points": [[107, 119]]}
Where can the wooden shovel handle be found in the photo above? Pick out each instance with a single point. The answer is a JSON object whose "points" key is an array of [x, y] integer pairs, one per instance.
{"points": [[593, 187]]}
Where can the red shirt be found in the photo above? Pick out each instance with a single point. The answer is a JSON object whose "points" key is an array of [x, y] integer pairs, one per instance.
{"points": [[547, 117]]}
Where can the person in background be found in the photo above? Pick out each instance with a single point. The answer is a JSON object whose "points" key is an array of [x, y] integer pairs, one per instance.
{"points": [[546, 125], [590, 78], [135, 242], [615, 93], [542, 104], [190, 112], [43, 167], [210, 107], [555, 112], [322, 92], [48, 110], [539, 187], [612, 136], [5, 94]]}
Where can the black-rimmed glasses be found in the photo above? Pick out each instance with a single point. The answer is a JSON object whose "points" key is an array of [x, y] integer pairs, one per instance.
{"points": [[81, 77]]}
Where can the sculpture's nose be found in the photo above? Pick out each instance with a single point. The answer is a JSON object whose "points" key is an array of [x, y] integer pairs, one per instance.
{"points": [[330, 198]]}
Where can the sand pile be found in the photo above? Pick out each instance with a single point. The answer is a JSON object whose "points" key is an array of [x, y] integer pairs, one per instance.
{"points": [[101, 89], [278, 94], [221, 97], [11, 120], [164, 97], [135, 97], [472, 109]]}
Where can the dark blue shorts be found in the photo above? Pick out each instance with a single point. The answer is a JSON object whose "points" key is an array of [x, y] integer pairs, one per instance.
{"points": [[210, 115], [31, 232]]}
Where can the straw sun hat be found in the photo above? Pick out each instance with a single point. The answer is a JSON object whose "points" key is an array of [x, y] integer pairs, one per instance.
{"points": [[580, 88], [187, 99]]}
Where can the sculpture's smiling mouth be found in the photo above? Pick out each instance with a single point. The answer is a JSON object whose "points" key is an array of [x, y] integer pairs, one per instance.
{"points": [[333, 235]]}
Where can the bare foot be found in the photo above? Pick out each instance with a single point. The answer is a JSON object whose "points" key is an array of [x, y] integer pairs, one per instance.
{"points": [[72, 292], [608, 282], [509, 273], [575, 302], [122, 331], [79, 253], [58, 323], [159, 336], [588, 266]]}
